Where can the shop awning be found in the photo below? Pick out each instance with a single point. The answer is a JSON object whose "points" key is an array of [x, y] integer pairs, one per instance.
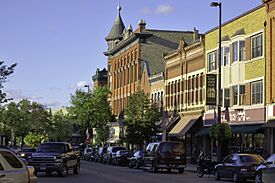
{"points": [[246, 128], [270, 124], [113, 140], [184, 125], [203, 131], [235, 129]]}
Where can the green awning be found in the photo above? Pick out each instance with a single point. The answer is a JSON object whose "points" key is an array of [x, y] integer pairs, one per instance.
{"points": [[203, 131], [250, 129], [246, 128]]}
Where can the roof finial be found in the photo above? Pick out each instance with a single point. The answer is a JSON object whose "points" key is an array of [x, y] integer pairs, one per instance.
{"points": [[118, 6]]}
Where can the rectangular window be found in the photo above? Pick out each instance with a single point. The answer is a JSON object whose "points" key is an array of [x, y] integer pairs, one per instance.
{"points": [[179, 86], [242, 95], [257, 92], [226, 55], [211, 61], [235, 51], [226, 97], [242, 50], [235, 95], [257, 46]]}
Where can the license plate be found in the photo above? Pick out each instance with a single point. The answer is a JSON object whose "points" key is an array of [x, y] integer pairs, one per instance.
{"points": [[43, 168], [177, 157]]}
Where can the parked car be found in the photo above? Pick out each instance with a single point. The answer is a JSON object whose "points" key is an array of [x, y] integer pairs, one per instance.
{"points": [[122, 157], [26, 152], [13, 169], [99, 154], [87, 154], [110, 153], [165, 155], [238, 167], [136, 160], [55, 156], [266, 169], [94, 152], [15, 149]]}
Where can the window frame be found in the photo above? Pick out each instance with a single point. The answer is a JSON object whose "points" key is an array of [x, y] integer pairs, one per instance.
{"points": [[210, 62], [261, 46], [261, 92]]}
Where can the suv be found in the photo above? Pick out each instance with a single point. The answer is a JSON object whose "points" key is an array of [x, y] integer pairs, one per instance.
{"points": [[111, 152], [165, 155], [55, 156]]}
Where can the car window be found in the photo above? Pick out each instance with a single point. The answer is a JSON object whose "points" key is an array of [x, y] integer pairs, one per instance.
{"points": [[154, 148], [271, 158], [250, 158], [1, 167], [171, 147], [51, 148], [11, 159], [229, 160]]}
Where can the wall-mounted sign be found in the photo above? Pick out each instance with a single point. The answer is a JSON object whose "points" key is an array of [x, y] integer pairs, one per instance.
{"points": [[211, 89]]}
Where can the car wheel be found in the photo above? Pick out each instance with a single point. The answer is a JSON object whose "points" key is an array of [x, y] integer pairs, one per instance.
{"points": [[48, 172], [181, 170], [136, 165], [235, 177], [200, 172], [258, 177], [76, 169], [154, 168], [168, 170], [63, 172], [217, 176]]}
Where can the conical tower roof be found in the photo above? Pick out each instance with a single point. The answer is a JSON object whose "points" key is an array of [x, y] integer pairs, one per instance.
{"points": [[117, 28]]}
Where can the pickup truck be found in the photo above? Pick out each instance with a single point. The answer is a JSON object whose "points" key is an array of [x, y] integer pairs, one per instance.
{"points": [[55, 156]]}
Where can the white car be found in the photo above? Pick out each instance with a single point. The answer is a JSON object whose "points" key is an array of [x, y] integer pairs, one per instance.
{"points": [[13, 170], [266, 171]]}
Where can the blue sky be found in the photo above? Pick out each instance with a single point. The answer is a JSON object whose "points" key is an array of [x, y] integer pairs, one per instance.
{"points": [[58, 44]]}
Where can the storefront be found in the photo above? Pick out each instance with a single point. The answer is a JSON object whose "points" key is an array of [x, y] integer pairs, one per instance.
{"points": [[247, 126]]}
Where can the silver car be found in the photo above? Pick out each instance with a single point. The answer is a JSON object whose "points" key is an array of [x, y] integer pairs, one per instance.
{"points": [[12, 168], [266, 171]]}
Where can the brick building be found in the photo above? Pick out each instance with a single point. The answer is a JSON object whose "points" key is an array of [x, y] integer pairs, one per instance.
{"points": [[270, 75], [184, 91], [134, 56], [243, 77]]}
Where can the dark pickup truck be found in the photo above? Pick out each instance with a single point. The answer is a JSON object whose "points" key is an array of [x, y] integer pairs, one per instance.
{"points": [[55, 156]]}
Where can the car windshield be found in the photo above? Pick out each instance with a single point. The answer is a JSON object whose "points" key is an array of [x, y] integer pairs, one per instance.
{"points": [[51, 148], [271, 158], [171, 147], [28, 150], [251, 158], [115, 149]]}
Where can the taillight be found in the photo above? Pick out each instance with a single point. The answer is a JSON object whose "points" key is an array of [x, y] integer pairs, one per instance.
{"points": [[29, 175]]}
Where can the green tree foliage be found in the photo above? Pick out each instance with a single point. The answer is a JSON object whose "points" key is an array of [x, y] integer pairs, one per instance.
{"points": [[62, 126], [220, 131], [33, 139], [140, 119], [82, 109], [5, 71], [25, 116], [92, 110]]}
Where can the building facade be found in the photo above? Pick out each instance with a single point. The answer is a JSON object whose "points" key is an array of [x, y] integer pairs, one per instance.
{"points": [[243, 77], [270, 75], [100, 78], [184, 91], [133, 56]]}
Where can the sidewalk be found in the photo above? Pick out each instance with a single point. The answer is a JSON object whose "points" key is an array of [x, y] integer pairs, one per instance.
{"points": [[190, 168]]}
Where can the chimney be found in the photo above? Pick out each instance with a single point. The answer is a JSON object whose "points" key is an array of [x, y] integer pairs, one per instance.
{"points": [[195, 34], [141, 25]]}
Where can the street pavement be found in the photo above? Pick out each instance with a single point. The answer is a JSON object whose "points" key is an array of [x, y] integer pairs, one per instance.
{"points": [[101, 173]]}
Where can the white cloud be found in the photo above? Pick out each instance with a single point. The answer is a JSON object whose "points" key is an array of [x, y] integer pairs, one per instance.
{"points": [[51, 104], [145, 11], [80, 85], [164, 9]]}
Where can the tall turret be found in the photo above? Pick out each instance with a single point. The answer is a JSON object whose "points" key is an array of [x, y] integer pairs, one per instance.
{"points": [[115, 34]]}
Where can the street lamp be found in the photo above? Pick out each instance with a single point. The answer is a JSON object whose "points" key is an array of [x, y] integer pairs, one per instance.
{"points": [[219, 4], [87, 86]]}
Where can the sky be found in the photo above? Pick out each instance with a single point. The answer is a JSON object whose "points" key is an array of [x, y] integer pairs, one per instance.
{"points": [[59, 44]]}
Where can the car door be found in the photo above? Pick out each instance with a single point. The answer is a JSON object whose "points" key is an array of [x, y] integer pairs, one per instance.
{"points": [[229, 166], [12, 169], [71, 156], [222, 168]]}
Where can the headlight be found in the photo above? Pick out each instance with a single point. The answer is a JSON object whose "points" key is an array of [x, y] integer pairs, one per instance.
{"points": [[22, 154]]}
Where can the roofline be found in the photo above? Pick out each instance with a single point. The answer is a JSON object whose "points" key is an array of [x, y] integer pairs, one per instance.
{"points": [[158, 30], [237, 17]]}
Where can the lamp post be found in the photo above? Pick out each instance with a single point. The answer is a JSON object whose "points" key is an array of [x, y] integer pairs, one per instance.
{"points": [[219, 4], [87, 86]]}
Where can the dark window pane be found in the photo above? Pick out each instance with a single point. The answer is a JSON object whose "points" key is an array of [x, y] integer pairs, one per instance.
{"points": [[11, 159]]}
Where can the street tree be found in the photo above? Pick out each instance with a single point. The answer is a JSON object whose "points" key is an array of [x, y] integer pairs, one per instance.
{"points": [[102, 113], [5, 71], [141, 117], [82, 109]]}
